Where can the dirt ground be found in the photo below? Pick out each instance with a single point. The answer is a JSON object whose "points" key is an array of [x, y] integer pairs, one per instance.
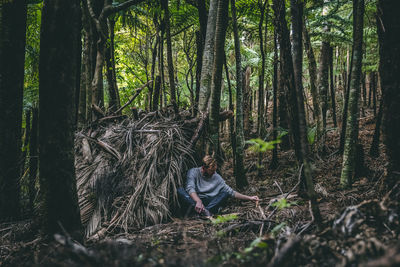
{"points": [[361, 224]]}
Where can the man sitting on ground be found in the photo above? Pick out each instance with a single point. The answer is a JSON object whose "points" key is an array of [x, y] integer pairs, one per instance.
{"points": [[205, 189]]}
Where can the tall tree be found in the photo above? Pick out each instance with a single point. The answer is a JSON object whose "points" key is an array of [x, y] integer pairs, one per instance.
{"points": [[349, 153], [296, 8], [312, 70], [388, 23], [323, 75], [58, 64], [260, 117], [215, 101], [208, 57], [240, 175], [12, 59], [164, 5]]}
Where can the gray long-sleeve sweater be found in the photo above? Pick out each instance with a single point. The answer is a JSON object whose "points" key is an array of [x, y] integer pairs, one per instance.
{"points": [[206, 186]]}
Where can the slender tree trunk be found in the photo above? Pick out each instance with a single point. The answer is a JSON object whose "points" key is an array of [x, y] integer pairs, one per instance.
{"points": [[221, 25], [33, 158], [12, 59], [164, 4], [27, 136], [312, 70], [232, 119], [364, 88], [332, 88], [283, 108], [346, 104], [388, 23], [297, 20], [374, 150], [247, 101], [208, 58], [349, 153], [374, 89], [260, 119], [274, 161], [156, 95], [114, 101], [56, 115], [288, 73], [240, 174], [323, 75], [370, 83]]}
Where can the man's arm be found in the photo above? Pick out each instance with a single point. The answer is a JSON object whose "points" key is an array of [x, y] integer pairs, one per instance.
{"points": [[244, 197], [199, 204]]}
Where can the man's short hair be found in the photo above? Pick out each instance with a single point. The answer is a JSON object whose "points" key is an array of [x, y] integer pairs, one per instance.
{"points": [[209, 161]]}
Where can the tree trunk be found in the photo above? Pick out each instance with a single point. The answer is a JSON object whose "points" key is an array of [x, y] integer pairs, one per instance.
{"points": [[349, 153], [156, 95], [221, 25], [260, 119], [274, 161], [33, 158], [247, 103], [374, 150], [12, 59], [27, 136], [332, 88], [296, 8], [374, 89], [288, 73], [323, 75], [232, 119], [389, 50], [57, 75], [208, 58], [164, 4], [312, 70], [114, 101], [240, 174]]}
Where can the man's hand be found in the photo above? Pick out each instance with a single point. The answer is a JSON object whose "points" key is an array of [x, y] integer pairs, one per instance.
{"points": [[254, 198], [199, 206]]}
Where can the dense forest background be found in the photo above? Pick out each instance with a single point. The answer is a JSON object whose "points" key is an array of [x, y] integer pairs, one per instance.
{"points": [[104, 105]]}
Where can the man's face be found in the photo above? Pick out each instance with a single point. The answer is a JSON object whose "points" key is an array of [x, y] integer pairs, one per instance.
{"points": [[210, 170]]}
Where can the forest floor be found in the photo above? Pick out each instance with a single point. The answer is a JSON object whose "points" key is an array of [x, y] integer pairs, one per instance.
{"points": [[276, 232]]}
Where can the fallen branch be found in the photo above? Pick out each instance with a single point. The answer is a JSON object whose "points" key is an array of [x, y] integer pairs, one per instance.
{"points": [[105, 146]]}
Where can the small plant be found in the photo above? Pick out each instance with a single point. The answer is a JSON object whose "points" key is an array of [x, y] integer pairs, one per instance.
{"points": [[260, 146], [275, 231], [311, 133], [224, 218], [283, 203]]}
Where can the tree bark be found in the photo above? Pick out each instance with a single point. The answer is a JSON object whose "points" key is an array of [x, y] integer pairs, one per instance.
{"points": [[260, 119], [274, 161], [221, 25], [332, 87], [33, 158], [208, 58], [312, 70], [240, 175], [388, 23], [57, 81], [164, 5], [12, 59], [349, 153], [296, 8]]}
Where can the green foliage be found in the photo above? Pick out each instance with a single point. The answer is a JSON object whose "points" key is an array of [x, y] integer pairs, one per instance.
{"points": [[259, 145], [275, 231], [283, 203], [311, 133], [257, 243], [224, 218]]}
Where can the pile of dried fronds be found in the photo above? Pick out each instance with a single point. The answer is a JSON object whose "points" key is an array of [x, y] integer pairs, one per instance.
{"points": [[128, 173]]}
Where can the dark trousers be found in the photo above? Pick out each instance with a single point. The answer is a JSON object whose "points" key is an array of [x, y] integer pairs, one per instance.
{"points": [[210, 203]]}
